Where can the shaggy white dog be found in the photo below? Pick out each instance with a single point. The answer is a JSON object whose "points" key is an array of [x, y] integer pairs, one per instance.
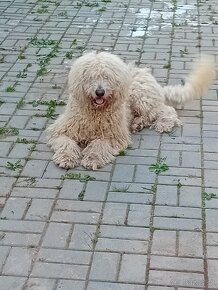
{"points": [[109, 99]]}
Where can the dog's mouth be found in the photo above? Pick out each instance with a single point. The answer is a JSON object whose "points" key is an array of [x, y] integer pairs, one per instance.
{"points": [[99, 102]]}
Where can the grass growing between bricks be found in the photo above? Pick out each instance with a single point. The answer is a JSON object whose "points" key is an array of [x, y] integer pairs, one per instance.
{"points": [[26, 141], [159, 167], [82, 178], [21, 103], [78, 176], [10, 131], [44, 61], [209, 196], [14, 166], [51, 107], [120, 189], [122, 153]]}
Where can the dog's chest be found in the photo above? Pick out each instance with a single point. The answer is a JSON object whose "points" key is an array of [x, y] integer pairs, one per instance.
{"points": [[87, 130]]}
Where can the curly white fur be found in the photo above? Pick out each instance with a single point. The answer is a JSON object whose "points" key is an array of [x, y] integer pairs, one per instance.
{"points": [[96, 126]]}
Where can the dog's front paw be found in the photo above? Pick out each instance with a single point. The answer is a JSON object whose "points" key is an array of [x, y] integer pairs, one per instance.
{"points": [[63, 160], [91, 163]]}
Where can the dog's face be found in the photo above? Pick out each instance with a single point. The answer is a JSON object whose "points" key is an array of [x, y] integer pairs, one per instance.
{"points": [[102, 79]]}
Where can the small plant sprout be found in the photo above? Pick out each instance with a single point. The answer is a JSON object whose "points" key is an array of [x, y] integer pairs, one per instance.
{"points": [[120, 189], [122, 153], [10, 131], [159, 167], [77, 176], [14, 166], [209, 196]]}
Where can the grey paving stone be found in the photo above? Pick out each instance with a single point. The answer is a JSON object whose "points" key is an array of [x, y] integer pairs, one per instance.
{"points": [[39, 209], [173, 279], [34, 168], [5, 148], [16, 258], [212, 252], [123, 246], [15, 208], [113, 286], [160, 288], [175, 223], [96, 191], [105, 266], [20, 150], [212, 238], [114, 213], [6, 185], [144, 175], [34, 192], [4, 251], [175, 263], [11, 282], [18, 121], [133, 268], [64, 256], [61, 271], [83, 237], [71, 189], [190, 196], [211, 217], [139, 215], [212, 270], [123, 173], [70, 284], [164, 242], [124, 232], [22, 226], [190, 244], [53, 240], [177, 212], [76, 217], [20, 239], [166, 195], [37, 284], [79, 206], [130, 197]]}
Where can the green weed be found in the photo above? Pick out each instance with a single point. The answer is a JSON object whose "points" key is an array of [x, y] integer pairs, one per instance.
{"points": [[14, 166], [42, 42], [159, 167], [10, 89], [122, 153], [21, 54], [51, 107], [26, 141], [81, 195], [167, 66], [21, 103], [78, 176], [209, 196], [10, 131], [23, 74], [120, 189]]}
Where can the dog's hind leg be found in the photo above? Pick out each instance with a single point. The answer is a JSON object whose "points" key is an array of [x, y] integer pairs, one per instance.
{"points": [[98, 153], [67, 152], [166, 119]]}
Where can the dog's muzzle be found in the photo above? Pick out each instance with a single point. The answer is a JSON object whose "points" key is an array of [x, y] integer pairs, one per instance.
{"points": [[99, 94]]}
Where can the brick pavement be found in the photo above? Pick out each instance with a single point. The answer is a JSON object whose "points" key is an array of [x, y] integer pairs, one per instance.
{"points": [[129, 229]]}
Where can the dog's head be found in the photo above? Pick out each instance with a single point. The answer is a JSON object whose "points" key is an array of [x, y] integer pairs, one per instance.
{"points": [[99, 79]]}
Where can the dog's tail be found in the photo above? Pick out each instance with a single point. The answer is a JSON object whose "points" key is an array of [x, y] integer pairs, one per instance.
{"points": [[196, 84]]}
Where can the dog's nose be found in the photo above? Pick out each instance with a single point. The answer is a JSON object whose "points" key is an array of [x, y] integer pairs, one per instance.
{"points": [[100, 92]]}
